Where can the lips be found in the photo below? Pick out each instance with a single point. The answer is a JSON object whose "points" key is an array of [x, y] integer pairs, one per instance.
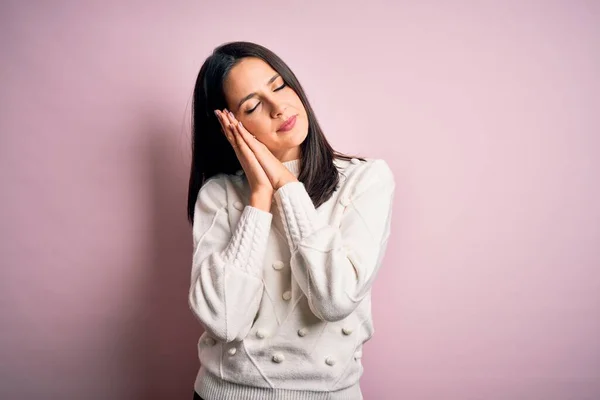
{"points": [[288, 124]]}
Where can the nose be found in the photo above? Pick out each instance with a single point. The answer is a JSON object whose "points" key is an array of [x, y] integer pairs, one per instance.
{"points": [[277, 110]]}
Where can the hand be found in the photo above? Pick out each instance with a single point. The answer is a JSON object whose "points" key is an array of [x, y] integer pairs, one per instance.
{"points": [[257, 178], [276, 172]]}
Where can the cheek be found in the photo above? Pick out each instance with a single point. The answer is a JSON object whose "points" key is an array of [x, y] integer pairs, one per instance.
{"points": [[257, 126], [298, 104]]}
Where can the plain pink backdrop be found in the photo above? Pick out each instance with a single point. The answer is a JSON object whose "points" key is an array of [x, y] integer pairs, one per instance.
{"points": [[487, 111]]}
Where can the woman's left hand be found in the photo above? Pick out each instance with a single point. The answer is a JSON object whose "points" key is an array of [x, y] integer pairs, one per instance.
{"points": [[278, 174]]}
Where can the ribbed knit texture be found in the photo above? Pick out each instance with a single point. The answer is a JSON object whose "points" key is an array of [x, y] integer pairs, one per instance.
{"points": [[218, 389], [293, 166]]}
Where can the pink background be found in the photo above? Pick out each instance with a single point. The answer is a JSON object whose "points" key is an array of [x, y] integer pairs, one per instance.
{"points": [[488, 112]]}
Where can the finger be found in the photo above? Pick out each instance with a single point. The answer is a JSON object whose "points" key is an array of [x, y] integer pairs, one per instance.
{"points": [[244, 132], [245, 153], [230, 117], [242, 152], [243, 147], [260, 152], [231, 123], [236, 148], [224, 126], [239, 141], [219, 115], [234, 123], [249, 138], [244, 139], [238, 151], [220, 118]]}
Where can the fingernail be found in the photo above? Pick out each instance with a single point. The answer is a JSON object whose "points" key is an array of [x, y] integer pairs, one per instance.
{"points": [[240, 124], [231, 114], [216, 113]]}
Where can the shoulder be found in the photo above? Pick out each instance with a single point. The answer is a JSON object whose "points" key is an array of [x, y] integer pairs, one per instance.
{"points": [[214, 190], [361, 175]]}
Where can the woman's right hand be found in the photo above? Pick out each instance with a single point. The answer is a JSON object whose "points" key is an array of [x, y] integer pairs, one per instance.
{"points": [[257, 178]]}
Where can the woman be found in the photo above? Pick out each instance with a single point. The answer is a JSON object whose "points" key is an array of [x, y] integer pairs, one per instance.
{"points": [[288, 236]]}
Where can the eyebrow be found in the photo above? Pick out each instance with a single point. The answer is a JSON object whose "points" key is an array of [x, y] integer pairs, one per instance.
{"points": [[251, 95]]}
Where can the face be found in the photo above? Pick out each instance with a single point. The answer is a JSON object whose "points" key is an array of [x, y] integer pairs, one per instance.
{"points": [[258, 96]]}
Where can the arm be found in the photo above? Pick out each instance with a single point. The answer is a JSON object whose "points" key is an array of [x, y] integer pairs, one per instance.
{"points": [[335, 266], [226, 283]]}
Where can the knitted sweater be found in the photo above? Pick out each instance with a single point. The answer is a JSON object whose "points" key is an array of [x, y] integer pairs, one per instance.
{"points": [[284, 296]]}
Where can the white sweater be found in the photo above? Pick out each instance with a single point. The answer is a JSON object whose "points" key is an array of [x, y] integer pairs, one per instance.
{"points": [[284, 296]]}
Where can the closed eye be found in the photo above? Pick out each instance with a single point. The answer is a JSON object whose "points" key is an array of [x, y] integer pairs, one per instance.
{"points": [[275, 90], [252, 109]]}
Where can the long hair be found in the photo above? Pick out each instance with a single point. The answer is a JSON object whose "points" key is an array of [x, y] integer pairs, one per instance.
{"points": [[212, 153]]}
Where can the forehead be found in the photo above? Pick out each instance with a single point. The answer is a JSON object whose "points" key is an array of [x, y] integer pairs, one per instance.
{"points": [[249, 75]]}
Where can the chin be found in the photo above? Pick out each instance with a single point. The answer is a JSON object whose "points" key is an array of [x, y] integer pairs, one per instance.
{"points": [[297, 136], [300, 131]]}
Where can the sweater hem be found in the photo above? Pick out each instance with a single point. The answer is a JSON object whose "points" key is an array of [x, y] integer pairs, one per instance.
{"points": [[211, 387]]}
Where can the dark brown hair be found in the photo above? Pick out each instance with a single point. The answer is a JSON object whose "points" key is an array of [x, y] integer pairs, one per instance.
{"points": [[211, 152]]}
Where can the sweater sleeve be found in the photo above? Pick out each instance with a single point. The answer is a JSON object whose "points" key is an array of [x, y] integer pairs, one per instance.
{"points": [[335, 266], [226, 282]]}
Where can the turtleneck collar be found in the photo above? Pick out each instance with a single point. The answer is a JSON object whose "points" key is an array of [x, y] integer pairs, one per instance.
{"points": [[293, 166]]}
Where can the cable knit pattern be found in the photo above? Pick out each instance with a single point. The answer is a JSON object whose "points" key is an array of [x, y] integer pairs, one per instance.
{"points": [[297, 211], [285, 297], [335, 266], [248, 243], [226, 268]]}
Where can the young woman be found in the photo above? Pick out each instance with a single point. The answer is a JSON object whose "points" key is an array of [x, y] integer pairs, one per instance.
{"points": [[288, 236]]}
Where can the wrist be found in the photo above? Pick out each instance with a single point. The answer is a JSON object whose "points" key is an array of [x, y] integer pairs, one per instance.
{"points": [[284, 181], [262, 199]]}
